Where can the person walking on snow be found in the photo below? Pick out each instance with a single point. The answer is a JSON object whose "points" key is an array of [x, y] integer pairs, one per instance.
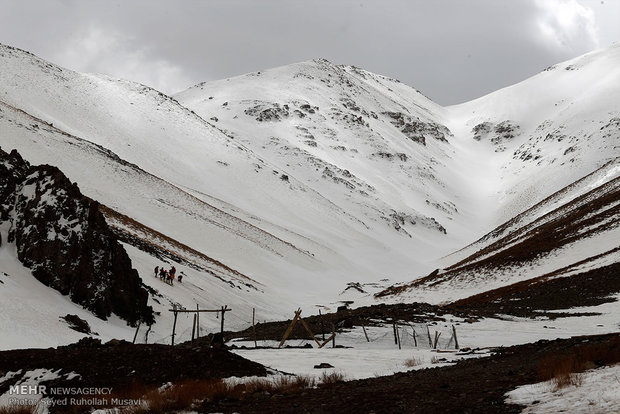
{"points": [[156, 271]]}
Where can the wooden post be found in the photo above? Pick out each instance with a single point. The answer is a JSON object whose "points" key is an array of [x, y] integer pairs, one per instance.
{"points": [[322, 327], [196, 312], [428, 332], [456, 341], [333, 336], [254, 327], [197, 322], [174, 326], [290, 327], [398, 336], [437, 335], [136, 334], [395, 336], [415, 340], [222, 323], [309, 330], [365, 333], [194, 326], [146, 335]]}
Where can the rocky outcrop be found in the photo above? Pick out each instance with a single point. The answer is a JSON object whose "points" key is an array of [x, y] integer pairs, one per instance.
{"points": [[63, 238], [497, 134], [418, 130]]}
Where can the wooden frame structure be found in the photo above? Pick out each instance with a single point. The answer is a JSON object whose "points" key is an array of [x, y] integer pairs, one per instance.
{"points": [[196, 323], [306, 327]]}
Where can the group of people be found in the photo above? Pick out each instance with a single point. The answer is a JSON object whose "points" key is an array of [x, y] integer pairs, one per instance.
{"points": [[167, 275]]}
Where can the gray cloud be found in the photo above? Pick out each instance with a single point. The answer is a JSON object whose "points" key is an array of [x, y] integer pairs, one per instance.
{"points": [[451, 50]]}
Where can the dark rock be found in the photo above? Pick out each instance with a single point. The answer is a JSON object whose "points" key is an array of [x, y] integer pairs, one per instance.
{"points": [[323, 365], [86, 342], [77, 324], [417, 130], [218, 340], [64, 239], [434, 273], [117, 342]]}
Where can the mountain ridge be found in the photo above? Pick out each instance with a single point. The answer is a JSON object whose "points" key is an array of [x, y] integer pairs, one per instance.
{"points": [[306, 177]]}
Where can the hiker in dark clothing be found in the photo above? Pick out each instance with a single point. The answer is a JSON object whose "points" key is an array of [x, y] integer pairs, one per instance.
{"points": [[156, 271], [171, 272], [180, 277]]}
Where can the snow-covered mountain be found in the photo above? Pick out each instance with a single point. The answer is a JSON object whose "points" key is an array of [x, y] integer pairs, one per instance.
{"points": [[275, 189]]}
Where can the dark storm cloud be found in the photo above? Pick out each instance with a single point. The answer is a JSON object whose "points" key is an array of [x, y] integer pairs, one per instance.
{"points": [[450, 50]]}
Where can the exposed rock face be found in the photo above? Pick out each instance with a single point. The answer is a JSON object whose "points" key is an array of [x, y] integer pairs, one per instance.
{"points": [[417, 130], [64, 239], [498, 134]]}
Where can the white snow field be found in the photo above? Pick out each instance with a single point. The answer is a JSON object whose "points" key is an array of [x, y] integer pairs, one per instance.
{"points": [[599, 392], [282, 186]]}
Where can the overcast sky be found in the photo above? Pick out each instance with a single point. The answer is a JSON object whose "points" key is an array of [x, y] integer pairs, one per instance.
{"points": [[451, 50]]}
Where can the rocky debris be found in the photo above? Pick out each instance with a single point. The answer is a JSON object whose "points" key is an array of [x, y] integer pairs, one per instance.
{"points": [[274, 112], [447, 207], [480, 131], [305, 134], [78, 324], [357, 286], [345, 178], [309, 108], [497, 134], [391, 156], [350, 119], [399, 220], [263, 112], [63, 238], [505, 131], [417, 130]]}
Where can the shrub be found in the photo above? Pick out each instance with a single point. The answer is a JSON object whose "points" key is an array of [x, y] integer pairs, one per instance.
{"points": [[413, 362], [17, 409], [331, 378], [564, 369], [183, 395]]}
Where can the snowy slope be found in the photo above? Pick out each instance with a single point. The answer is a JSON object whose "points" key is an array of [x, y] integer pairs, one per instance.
{"points": [[30, 312], [275, 189], [372, 146], [140, 154], [547, 131]]}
